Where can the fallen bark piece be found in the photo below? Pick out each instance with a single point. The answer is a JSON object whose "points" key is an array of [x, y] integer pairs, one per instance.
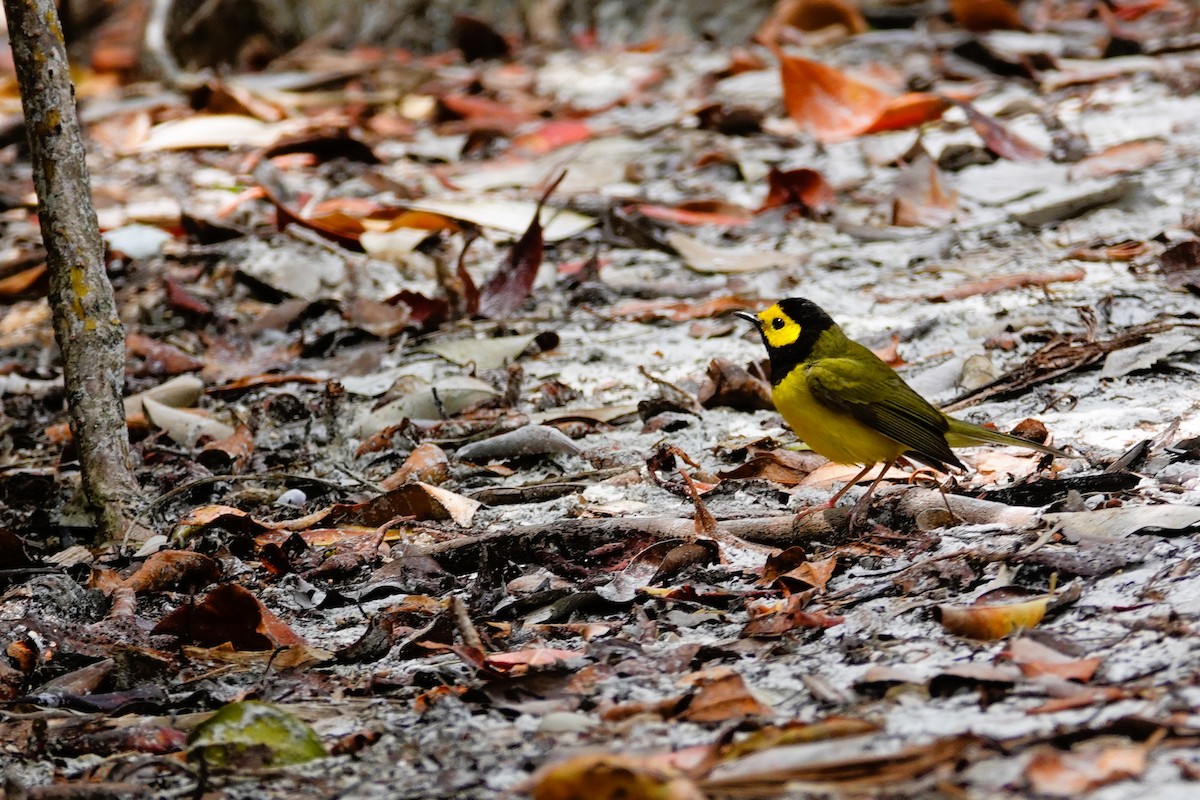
{"points": [[912, 503], [1064, 202], [532, 440], [186, 427], [1169, 520]]}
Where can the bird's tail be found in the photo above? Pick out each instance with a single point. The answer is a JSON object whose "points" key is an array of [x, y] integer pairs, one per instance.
{"points": [[966, 434]]}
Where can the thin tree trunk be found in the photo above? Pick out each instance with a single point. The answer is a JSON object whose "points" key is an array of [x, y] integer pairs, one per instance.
{"points": [[89, 332]]}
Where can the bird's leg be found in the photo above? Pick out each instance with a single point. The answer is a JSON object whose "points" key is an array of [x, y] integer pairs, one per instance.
{"points": [[837, 496], [860, 507]]}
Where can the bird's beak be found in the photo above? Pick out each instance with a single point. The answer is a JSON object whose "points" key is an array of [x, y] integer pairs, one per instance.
{"points": [[753, 320]]}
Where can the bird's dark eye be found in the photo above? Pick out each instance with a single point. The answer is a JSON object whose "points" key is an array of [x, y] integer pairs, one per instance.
{"points": [[777, 324]]}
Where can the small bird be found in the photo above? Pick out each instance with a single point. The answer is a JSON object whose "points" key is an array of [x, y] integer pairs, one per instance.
{"points": [[851, 407]]}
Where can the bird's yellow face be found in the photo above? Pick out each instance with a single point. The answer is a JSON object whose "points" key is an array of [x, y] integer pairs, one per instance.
{"points": [[777, 328]]}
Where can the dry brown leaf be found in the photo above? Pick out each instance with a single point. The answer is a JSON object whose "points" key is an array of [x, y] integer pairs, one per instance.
{"points": [[780, 466], [427, 463], [981, 16], [230, 614], [174, 570], [987, 621], [1058, 774], [1005, 283], [1120, 158], [679, 310], [699, 212], [804, 190], [721, 695], [611, 777], [999, 139], [229, 454]]}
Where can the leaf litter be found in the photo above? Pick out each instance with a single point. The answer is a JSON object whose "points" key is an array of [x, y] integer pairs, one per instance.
{"points": [[506, 484]]}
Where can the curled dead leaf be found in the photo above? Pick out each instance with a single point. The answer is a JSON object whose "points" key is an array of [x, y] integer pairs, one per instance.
{"points": [[1058, 774], [832, 106], [987, 621], [174, 570], [427, 463], [610, 776], [230, 614]]}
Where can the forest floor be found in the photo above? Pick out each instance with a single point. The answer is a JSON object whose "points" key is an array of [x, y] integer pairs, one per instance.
{"points": [[426, 477]]}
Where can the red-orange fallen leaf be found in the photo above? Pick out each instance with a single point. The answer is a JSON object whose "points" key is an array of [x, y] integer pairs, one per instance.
{"points": [[980, 16], [1053, 772], [890, 353], [384, 220], [495, 113], [427, 700], [825, 101], [551, 136], [742, 60], [832, 106], [699, 212], [910, 110], [231, 614], [225, 517], [1133, 10], [279, 658], [789, 618], [803, 189]]}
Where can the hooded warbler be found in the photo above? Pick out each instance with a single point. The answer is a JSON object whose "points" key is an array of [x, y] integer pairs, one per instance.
{"points": [[851, 407]]}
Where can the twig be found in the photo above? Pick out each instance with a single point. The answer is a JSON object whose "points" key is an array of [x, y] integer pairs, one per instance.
{"points": [[86, 323], [466, 628], [579, 535]]}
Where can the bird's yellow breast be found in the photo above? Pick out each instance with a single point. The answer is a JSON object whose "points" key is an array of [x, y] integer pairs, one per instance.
{"points": [[828, 431]]}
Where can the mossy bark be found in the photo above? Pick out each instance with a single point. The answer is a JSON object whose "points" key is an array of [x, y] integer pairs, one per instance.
{"points": [[89, 332]]}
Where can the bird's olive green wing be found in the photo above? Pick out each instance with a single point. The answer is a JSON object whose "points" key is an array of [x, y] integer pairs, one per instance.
{"points": [[872, 393]]}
